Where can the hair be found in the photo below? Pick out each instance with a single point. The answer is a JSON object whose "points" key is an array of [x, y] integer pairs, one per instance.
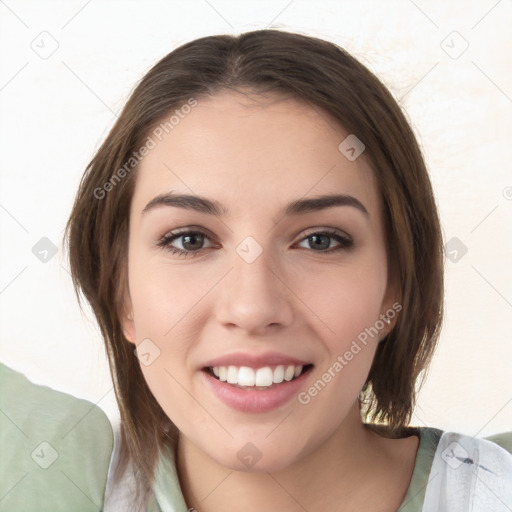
{"points": [[328, 78]]}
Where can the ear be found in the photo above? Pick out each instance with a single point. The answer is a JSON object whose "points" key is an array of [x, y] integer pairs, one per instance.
{"points": [[128, 326], [126, 320], [124, 304], [390, 309], [125, 309]]}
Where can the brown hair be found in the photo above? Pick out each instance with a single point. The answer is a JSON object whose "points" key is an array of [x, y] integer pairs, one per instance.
{"points": [[326, 77]]}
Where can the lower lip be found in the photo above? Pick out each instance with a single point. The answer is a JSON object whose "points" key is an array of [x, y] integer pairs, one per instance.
{"points": [[247, 400]]}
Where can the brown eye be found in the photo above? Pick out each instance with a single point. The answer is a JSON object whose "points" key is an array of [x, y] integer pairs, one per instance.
{"points": [[191, 242], [321, 241]]}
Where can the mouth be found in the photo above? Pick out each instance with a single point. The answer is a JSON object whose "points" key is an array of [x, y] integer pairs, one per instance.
{"points": [[253, 390], [255, 383], [257, 379]]}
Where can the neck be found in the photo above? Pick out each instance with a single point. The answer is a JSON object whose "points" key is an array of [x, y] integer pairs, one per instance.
{"points": [[337, 475]]}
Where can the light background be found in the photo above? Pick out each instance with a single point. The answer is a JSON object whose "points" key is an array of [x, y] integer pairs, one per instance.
{"points": [[55, 111]]}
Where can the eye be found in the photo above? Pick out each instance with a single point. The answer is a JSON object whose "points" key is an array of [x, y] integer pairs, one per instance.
{"points": [[322, 240], [192, 242]]}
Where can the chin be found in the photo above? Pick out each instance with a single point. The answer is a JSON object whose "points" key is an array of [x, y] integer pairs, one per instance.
{"points": [[271, 464], [258, 456]]}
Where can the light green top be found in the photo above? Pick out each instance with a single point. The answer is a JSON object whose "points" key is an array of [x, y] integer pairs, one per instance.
{"points": [[55, 449], [169, 498]]}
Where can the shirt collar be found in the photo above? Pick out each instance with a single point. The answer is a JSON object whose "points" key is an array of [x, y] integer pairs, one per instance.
{"points": [[167, 486]]}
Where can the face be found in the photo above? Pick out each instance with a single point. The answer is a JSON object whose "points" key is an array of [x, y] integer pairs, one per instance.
{"points": [[227, 295]]}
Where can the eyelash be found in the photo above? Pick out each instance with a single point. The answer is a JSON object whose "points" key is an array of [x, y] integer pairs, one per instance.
{"points": [[165, 242]]}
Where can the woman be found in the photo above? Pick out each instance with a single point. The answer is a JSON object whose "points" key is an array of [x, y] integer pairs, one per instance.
{"points": [[260, 225]]}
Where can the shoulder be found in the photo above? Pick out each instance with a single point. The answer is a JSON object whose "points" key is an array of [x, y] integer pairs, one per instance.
{"points": [[29, 401], [468, 469], [449, 464], [55, 447], [504, 439]]}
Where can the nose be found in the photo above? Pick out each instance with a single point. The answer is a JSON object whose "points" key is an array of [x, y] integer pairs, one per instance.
{"points": [[254, 296]]}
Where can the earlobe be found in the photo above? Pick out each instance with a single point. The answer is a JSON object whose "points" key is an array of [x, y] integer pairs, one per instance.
{"points": [[390, 310], [391, 307], [389, 327], [390, 317], [127, 322], [385, 325], [125, 307], [128, 326]]}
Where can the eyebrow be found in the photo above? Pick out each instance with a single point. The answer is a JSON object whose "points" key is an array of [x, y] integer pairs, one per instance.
{"points": [[212, 207]]}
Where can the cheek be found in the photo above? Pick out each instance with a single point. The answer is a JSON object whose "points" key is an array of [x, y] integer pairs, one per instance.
{"points": [[346, 301], [163, 300], [170, 387], [350, 330], [163, 295]]}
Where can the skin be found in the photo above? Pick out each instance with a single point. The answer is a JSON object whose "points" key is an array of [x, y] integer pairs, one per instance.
{"points": [[254, 155]]}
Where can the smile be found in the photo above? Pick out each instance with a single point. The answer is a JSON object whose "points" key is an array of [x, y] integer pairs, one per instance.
{"points": [[256, 390], [264, 377]]}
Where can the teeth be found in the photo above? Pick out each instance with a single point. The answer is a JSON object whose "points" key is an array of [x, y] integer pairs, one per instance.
{"points": [[279, 375], [289, 372], [246, 376], [261, 377], [264, 376], [232, 376]]}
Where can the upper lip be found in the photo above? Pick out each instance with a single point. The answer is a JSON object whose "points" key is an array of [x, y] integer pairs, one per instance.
{"points": [[255, 361]]}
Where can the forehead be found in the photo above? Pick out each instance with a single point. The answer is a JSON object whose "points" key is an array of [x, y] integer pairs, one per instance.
{"points": [[250, 152]]}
